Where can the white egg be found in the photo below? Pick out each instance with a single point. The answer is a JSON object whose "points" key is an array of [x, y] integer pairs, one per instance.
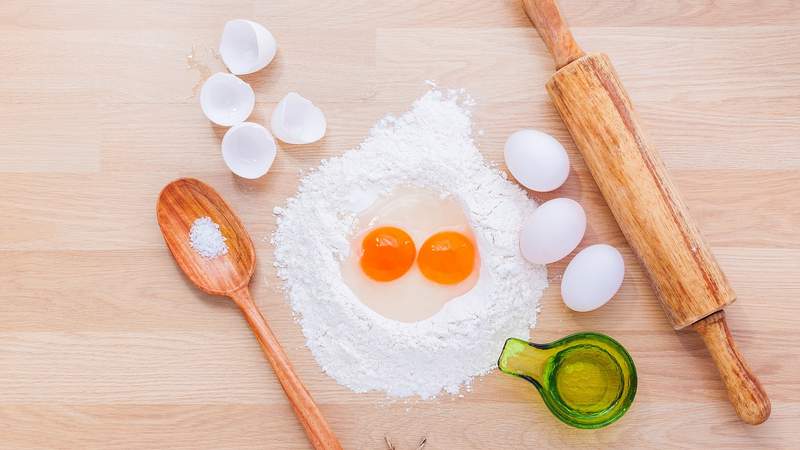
{"points": [[592, 277], [552, 231], [246, 46], [297, 121], [537, 160], [226, 100], [248, 149]]}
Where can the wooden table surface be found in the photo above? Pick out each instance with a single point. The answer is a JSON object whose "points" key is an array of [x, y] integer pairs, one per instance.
{"points": [[104, 345]]}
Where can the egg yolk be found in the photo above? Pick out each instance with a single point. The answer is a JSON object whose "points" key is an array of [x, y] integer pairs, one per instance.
{"points": [[447, 257], [388, 253]]}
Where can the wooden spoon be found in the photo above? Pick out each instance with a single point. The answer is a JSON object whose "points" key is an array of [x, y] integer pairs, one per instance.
{"points": [[179, 205]]}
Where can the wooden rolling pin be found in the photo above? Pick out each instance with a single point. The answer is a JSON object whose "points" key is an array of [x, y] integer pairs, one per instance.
{"points": [[685, 276]]}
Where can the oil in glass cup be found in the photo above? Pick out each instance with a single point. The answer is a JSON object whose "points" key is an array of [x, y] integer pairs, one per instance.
{"points": [[587, 380]]}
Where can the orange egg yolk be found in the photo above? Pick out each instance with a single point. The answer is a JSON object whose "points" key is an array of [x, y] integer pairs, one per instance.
{"points": [[447, 257], [388, 253]]}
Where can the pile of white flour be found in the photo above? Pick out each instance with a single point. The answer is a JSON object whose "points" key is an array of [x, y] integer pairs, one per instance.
{"points": [[430, 147]]}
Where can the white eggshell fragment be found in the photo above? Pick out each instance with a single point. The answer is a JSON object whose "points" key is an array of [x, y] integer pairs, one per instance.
{"points": [[248, 149], [537, 160], [226, 100], [246, 46], [552, 231], [297, 121], [592, 277]]}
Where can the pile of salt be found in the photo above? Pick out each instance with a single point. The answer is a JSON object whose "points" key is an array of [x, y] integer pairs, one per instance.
{"points": [[206, 239]]}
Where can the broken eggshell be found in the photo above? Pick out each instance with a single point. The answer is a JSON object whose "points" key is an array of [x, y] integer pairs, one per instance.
{"points": [[297, 121], [248, 150], [246, 46], [226, 100]]}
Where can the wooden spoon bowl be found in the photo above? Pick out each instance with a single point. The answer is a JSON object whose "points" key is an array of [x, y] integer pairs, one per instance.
{"points": [[181, 203]]}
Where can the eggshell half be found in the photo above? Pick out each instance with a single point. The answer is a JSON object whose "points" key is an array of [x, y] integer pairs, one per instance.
{"points": [[248, 149], [226, 100], [297, 121], [246, 46]]}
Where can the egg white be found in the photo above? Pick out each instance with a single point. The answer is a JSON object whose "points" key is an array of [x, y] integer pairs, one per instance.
{"points": [[421, 213]]}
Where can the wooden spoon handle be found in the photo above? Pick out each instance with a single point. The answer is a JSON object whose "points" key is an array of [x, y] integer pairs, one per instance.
{"points": [[554, 31], [744, 390], [317, 428]]}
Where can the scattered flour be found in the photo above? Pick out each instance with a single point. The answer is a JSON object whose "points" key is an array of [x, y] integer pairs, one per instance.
{"points": [[431, 147], [206, 239]]}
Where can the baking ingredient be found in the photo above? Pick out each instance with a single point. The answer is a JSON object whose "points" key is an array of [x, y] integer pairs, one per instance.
{"points": [[592, 277], [226, 100], [552, 231], [387, 253], [422, 213], [206, 238], [246, 46], [297, 121], [447, 257], [537, 160], [248, 149], [428, 147], [587, 380]]}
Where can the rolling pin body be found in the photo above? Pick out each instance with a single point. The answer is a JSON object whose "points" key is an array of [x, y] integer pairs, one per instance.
{"points": [[686, 278], [596, 110]]}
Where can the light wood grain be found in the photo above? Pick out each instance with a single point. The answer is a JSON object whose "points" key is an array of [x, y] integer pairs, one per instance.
{"points": [[744, 390], [105, 345], [553, 30]]}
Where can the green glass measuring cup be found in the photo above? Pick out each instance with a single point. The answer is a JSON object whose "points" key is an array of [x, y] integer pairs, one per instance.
{"points": [[587, 380]]}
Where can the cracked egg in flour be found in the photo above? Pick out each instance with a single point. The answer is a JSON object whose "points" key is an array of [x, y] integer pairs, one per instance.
{"points": [[411, 253]]}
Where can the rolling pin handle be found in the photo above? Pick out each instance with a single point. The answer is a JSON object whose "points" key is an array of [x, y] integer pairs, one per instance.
{"points": [[744, 390], [554, 31]]}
